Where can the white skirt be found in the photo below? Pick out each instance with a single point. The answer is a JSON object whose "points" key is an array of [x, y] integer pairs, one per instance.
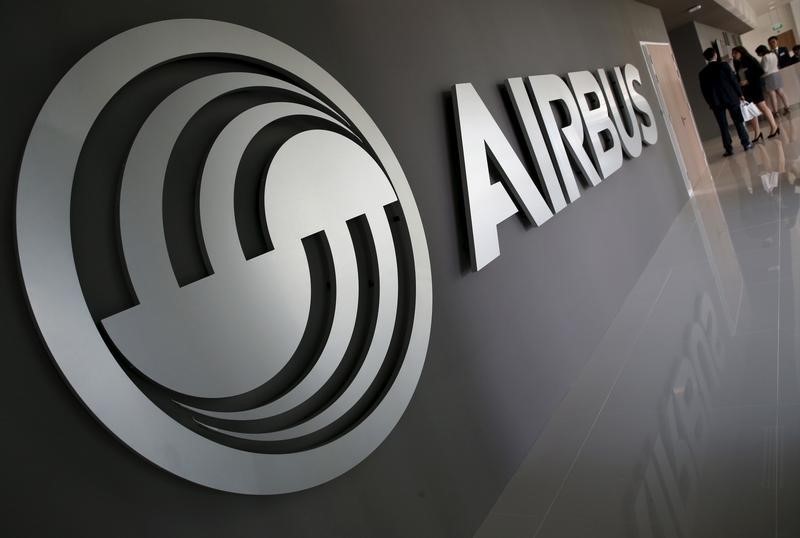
{"points": [[772, 82]]}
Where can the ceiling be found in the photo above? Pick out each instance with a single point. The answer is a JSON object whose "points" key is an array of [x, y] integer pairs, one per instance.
{"points": [[676, 13], [763, 6]]}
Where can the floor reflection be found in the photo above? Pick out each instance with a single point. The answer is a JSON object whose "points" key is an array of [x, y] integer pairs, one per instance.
{"points": [[686, 420]]}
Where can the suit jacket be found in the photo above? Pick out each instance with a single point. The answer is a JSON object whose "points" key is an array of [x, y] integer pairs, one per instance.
{"points": [[784, 58], [719, 85]]}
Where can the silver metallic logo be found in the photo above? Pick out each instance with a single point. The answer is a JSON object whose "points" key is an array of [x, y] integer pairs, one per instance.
{"points": [[600, 122], [274, 372]]}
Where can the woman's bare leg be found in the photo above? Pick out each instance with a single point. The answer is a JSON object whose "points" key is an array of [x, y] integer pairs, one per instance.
{"points": [[762, 106], [756, 128], [773, 101], [782, 97]]}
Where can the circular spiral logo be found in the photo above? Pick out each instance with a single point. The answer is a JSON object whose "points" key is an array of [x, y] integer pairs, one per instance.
{"points": [[276, 305]]}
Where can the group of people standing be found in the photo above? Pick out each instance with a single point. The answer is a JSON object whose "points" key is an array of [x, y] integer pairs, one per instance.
{"points": [[754, 81]]}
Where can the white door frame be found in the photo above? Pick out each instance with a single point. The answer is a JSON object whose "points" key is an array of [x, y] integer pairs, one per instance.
{"points": [[665, 112]]}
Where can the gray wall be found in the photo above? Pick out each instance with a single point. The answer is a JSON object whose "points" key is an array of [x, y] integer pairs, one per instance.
{"points": [[506, 342], [648, 22]]}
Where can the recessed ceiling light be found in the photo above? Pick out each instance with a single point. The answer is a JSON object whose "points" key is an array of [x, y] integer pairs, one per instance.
{"points": [[692, 9]]}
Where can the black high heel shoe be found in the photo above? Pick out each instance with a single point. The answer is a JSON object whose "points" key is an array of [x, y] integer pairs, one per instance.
{"points": [[759, 138], [775, 133]]}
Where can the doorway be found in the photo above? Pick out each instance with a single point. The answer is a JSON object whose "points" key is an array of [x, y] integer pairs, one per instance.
{"points": [[786, 39], [677, 113]]}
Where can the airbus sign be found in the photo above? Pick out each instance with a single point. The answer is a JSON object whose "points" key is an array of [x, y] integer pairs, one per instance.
{"points": [[600, 122], [278, 369], [273, 373]]}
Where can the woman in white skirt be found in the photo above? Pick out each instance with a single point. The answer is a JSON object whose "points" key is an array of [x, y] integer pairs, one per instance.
{"points": [[773, 82]]}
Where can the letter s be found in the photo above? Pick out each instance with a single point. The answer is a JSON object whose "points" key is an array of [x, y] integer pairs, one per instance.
{"points": [[649, 128]]}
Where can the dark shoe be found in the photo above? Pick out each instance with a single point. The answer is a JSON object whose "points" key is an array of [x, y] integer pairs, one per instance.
{"points": [[759, 138], [775, 133], [727, 153], [748, 146], [786, 111]]}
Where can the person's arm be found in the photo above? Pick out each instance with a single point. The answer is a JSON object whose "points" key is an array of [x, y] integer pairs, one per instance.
{"points": [[705, 87], [753, 75], [755, 72], [734, 80]]}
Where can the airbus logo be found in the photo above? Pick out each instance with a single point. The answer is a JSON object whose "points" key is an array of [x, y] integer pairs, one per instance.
{"points": [[582, 129], [274, 372], [279, 366]]}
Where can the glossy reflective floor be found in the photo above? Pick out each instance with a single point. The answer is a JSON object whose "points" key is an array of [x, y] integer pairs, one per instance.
{"points": [[686, 420]]}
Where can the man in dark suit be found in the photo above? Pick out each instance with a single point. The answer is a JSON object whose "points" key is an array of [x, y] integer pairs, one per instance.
{"points": [[722, 93], [795, 55], [784, 58]]}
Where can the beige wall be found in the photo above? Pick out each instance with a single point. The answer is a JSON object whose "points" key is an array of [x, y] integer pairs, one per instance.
{"points": [[791, 83], [782, 14], [708, 34]]}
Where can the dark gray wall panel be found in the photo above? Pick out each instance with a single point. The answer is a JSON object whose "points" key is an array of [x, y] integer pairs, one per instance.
{"points": [[688, 53], [506, 342]]}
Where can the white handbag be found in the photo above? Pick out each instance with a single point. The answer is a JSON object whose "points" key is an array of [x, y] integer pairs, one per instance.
{"points": [[749, 111]]}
